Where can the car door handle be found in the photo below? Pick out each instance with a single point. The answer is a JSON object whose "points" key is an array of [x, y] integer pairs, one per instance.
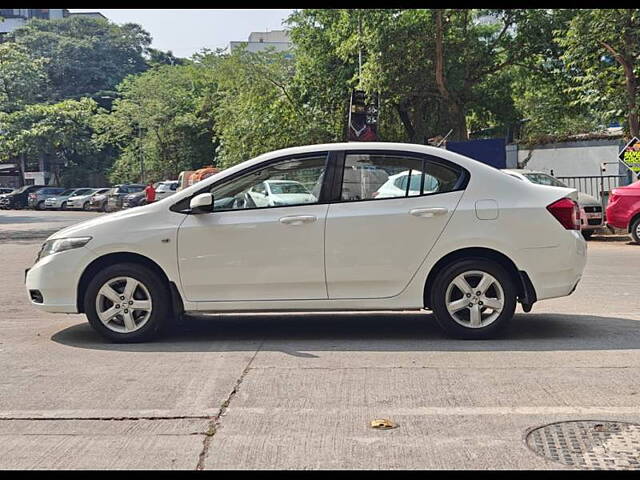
{"points": [[428, 212], [298, 220]]}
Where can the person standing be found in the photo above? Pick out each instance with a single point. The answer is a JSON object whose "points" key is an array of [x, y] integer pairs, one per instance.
{"points": [[150, 193]]}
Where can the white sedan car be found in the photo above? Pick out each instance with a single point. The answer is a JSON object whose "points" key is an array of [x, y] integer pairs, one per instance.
{"points": [[273, 193], [468, 250]]}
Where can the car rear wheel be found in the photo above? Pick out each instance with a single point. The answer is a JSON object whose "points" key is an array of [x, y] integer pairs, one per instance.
{"points": [[635, 230], [473, 299], [127, 302]]}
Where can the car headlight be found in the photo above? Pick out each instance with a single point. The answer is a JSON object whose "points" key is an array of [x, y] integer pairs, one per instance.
{"points": [[60, 245]]}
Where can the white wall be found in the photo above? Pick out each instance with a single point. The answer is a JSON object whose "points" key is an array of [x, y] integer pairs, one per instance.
{"points": [[10, 24], [573, 160]]}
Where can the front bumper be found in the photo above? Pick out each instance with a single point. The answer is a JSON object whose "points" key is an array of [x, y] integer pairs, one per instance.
{"points": [[56, 278]]}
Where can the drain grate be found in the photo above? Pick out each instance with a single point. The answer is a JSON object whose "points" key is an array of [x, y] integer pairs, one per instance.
{"points": [[589, 444]]}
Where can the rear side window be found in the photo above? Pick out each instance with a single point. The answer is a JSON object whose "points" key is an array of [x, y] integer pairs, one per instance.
{"points": [[377, 176]]}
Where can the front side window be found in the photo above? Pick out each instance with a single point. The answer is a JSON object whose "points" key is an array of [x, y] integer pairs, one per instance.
{"points": [[295, 181], [378, 176]]}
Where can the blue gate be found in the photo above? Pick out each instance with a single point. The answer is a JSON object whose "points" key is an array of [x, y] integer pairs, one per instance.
{"points": [[490, 151]]}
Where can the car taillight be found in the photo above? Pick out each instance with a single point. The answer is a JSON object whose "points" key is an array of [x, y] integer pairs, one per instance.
{"points": [[567, 212]]}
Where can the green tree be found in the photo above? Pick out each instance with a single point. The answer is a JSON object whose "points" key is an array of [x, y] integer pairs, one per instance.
{"points": [[22, 78], [86, 55], [165, 117], [604, 47], [259, 107], [60, 134]]}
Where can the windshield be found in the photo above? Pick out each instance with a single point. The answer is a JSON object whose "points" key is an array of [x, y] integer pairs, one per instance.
{"points": [[66, 193], [544, 179], [277, 188], [84, 191]]}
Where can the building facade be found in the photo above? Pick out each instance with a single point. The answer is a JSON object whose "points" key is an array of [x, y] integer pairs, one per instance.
{"points": [[12, 18], [261, 41]]}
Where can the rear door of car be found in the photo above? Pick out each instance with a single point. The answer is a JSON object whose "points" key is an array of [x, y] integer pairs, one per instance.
{"points": [[374, 246]]}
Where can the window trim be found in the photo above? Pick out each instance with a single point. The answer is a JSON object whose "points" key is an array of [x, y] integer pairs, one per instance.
{"points": [[328, 175], [461, 184]]}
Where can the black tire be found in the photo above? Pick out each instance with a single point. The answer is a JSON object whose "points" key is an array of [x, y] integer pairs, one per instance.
{"points": [[85, 207], [587, 234], [40, 205], [439, 301], [635, 230], [63, 206], [158, 291]]}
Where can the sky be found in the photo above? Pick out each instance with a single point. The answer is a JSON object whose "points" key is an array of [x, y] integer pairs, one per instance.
{"points": [[187, 31]]}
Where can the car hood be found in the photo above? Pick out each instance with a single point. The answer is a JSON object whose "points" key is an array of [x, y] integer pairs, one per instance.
{"points": [[85, 228]]}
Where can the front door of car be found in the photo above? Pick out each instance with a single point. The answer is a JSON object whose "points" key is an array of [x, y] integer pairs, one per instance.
{"points": [[376, 236], [242, 251]]}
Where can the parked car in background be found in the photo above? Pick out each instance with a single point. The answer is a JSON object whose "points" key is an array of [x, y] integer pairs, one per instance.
{"points": [[468, 252], [3, 193], [59, 202], [19, 198], [117, 194], [591, 214], [135, 199], [98, 201], [623, 209], [165, 189], [36, 199], [81, 201], [272, 193]]}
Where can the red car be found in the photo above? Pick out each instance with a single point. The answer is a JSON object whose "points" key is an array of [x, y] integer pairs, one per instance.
{"points": [[623, 210]]}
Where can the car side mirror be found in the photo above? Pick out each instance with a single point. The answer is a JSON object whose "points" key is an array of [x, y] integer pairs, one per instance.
{"points": [[202, 203]]}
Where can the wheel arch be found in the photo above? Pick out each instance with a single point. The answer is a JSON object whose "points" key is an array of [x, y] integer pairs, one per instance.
{"points": [[635, 217], [126, 257], [526, 291]]}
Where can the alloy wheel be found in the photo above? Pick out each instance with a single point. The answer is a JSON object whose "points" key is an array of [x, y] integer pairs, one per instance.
{"points": [[123, 304], [475, 299]]}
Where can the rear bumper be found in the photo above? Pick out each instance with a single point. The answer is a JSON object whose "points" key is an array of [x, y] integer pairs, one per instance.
{"points": [[555, 270]]}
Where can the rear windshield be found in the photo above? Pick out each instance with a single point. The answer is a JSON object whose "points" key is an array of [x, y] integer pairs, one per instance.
{"points": [[544, 179]]}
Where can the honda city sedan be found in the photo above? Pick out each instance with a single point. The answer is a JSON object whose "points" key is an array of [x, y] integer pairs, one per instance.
{"points": [[462, 240]]}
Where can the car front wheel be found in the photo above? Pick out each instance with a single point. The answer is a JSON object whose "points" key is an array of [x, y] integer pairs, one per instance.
{"points": [[473, 299], [127, 302], [635, 231]]}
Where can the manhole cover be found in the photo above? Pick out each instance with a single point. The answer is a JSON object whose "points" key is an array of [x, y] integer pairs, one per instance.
{"points": [[589, 444]]}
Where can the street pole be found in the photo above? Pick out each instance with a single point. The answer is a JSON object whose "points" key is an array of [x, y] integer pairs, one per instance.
{"points": [[140, 153]]}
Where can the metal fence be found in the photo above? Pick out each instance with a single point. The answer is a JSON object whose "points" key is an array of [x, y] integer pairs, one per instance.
{"points": [[594, 185]]}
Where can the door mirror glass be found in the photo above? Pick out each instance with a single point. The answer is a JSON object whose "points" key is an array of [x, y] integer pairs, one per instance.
{"points": [[202, 203]]}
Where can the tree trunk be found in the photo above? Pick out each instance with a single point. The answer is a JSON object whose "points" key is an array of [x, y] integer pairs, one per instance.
{"points": [[631, 83], [457, 111]]}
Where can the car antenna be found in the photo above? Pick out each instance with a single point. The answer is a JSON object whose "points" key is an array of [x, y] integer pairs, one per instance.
{"points": [[444, 138]]}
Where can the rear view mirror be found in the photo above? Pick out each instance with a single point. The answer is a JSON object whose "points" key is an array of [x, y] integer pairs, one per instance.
{"points": [[202, 203]]}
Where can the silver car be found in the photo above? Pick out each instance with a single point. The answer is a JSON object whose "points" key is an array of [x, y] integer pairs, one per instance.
{"points": [[59, 202], [591, 214], [81, 202]]}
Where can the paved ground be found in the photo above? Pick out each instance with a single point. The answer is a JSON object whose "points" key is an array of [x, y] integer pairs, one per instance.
{"points": [[298, 391]]}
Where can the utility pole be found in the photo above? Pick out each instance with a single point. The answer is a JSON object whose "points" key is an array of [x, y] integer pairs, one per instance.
{"points": [[140, 153]]}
